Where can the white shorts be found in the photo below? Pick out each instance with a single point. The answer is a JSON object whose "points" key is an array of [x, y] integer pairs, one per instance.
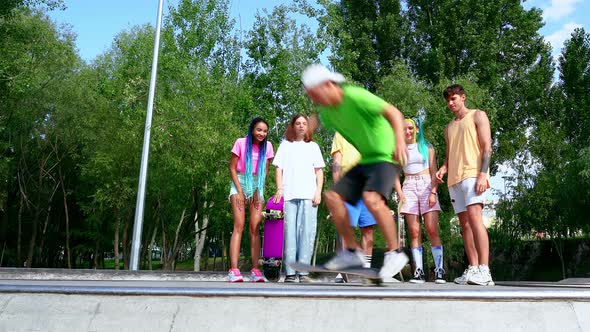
{"points": [[463, 194]]}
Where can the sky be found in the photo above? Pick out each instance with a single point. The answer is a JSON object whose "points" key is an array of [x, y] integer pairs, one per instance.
{"points": [[96, 23]]}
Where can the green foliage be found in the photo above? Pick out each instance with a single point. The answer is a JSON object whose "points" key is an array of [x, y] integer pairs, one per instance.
{"points": [[71, 134]]}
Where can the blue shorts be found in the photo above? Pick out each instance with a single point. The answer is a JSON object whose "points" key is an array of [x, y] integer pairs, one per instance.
{"points": [[360, 215]]}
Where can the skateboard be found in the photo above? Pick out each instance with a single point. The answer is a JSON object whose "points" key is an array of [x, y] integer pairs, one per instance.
{"points": [[272, 241], [370, 274]]}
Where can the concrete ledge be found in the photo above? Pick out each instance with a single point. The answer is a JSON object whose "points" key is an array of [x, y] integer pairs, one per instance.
{"points": [[65, 313], [475, 294]]}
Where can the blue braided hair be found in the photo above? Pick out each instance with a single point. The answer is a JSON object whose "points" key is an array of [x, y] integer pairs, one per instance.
{"points": [[249, 186], [419, 138], [422, 142]]}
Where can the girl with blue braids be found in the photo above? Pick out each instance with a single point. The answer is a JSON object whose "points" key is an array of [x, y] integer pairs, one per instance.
{"points": [[419, 198], [248, 167], [300, 178]]}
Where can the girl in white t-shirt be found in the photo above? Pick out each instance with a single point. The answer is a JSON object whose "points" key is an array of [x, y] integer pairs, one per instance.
{"points": [[248, 167], [299, 178]]}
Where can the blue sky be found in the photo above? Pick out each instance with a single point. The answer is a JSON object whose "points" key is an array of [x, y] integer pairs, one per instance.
{"points": [[97, 22]]}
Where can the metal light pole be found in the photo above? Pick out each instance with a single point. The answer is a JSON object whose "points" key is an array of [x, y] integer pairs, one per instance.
{"points": [[139, 206]]}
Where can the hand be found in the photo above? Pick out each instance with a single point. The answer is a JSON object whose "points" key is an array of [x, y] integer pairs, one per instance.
{"points": [[256, 202], [441, 173], [401, 153], [240, 200], [278, 196], [401, 197], [431, 199], [317, 198], [482, 184]]}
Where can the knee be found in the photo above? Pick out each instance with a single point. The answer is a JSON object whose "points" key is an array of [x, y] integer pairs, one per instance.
{"points": [[373, 201], [254, 230], [432, 231], [414, 230], [238, 227], [332, 197]]}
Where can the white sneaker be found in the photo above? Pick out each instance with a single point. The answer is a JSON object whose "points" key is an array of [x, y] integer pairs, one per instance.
{"points": [[467, 274], [390, 280], [482, 277], [393, 262], [346, 259]]}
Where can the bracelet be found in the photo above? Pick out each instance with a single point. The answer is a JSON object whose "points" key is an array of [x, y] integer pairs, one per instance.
{"points": [[433, 193]]}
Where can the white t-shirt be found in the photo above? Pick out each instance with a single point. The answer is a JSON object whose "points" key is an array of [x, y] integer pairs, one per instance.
{"points": [[298, 160]]}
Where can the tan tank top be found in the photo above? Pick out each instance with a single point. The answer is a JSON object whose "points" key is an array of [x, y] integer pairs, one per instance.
{"points": [[464, 159]]}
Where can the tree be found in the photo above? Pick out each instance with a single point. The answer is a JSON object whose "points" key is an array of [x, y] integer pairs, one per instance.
{"points": [[365, 37]]}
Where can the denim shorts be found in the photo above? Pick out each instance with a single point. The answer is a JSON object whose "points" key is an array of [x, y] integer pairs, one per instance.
{"points": [[232, 188]]}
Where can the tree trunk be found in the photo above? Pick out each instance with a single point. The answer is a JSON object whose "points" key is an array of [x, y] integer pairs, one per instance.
{"points": [[164, 251], [151, 247], [200, 236], [125, 246], [19, 233], [42, 244], [63, 190], [117, 225], [96, 254], [174, 250]]}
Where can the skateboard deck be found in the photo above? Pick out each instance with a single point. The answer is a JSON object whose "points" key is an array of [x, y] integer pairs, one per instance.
{"points": [[368, 273]]}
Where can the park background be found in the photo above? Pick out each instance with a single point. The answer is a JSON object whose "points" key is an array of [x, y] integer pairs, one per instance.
{"points": [[71, 125]]}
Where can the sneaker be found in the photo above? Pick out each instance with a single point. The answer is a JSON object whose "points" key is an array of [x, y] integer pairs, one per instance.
{"points": [[393, 262], [482, 277], [257, 276], [291, 278], [234, 275], [439, 276], [419, 277], [467, 274], [306, 279], [390, 280], [346, 259], [340, 278]]}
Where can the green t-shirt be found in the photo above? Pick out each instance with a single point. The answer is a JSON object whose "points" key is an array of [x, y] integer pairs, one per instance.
{"points": [[359, 119]]}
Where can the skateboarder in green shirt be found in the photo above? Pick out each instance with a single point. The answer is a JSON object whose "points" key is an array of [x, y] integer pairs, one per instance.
{"points": [[375, 128]]}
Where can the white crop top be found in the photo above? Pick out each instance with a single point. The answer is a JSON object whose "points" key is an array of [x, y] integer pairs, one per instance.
{"points": [[416, 162]]}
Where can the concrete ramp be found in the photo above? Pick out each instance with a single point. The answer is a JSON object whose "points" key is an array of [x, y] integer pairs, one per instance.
{"points": [[176, 303]]}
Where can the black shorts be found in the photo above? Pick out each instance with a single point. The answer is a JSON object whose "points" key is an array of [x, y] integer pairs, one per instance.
{"points": [[377, 177]]}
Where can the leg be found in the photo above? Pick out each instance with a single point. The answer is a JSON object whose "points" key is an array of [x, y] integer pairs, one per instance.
{"points": [[413, 223], [480, 233], [308, 226], [339, 213], [255, 218], [415, 231], [468, 239], [236, 235], [290, 249], [376, 205], [367, 240], [431, 224]]}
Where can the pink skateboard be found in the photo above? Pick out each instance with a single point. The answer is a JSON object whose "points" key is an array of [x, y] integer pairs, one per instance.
{"points": [[272, 243]]}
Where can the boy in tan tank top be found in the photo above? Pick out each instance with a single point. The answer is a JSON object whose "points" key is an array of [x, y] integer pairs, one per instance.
{"points": [[467, 163]]}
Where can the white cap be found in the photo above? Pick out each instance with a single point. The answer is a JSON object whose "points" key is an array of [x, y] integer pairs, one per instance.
{"points": [[316, 74]]}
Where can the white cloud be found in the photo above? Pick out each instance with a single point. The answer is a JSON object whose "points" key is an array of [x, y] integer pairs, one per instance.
{"points": [[558, 37], [559, 9]]}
